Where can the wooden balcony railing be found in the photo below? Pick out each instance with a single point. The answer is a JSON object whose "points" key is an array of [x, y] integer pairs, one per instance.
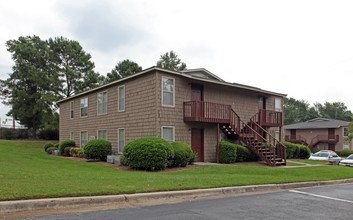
{"points": [[268, 118], [323, 139], [296, 139], [199, 111]]}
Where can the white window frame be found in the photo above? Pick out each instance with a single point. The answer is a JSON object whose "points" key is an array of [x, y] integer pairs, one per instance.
{"points": [[162, 134], [83, 107], [279, 101], [119, 129], [106, 103], [72, 112], [81, 138], [72, 135], [344, 132], [106, 134], [345, 146], [165, 105], [121, 87]]}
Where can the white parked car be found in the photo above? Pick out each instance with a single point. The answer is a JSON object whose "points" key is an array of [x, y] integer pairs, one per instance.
{"points": [[326, 155], [348, 161]]}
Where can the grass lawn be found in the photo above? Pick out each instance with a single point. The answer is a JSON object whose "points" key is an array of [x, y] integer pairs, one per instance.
{"points": [[26, 171]]}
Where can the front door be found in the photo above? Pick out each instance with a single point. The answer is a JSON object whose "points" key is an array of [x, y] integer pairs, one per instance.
{"points": [[331, 133], [262, 102], [197, 95], [331, 147], [293, 134], [197, 143]]}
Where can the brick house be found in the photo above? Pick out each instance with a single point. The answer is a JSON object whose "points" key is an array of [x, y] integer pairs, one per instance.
{"points": [[320, 134], [192, 106]]}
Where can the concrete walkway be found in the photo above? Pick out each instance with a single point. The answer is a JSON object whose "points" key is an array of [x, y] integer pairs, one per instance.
{"points": [[301, 164]]}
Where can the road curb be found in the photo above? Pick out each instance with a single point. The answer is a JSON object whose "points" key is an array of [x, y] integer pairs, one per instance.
{"points": [[184, 195]]}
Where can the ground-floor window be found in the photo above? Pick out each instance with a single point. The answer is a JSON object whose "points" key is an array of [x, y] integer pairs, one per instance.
{"points": [[72, 135], [168, 133], [121, 139], [84, 138], [102, 134], [345, 146]]}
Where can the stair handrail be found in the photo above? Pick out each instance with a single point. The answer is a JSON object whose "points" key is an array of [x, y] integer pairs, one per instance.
{"points": [[280, 144], [258, 134]]}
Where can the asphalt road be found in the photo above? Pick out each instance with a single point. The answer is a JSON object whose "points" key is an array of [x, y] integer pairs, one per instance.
{"points": [[331, 202]]}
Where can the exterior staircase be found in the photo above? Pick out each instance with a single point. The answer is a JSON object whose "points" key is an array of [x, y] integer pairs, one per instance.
{"points": [[251, 134], [257, 139]]}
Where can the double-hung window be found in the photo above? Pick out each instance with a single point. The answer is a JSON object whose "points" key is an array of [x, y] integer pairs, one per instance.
{"points": [[102, 103], [168, 96], [72, 137], [168, 133], [345, 132], [278, 106], [84, 138], [84, 107], [102, 134], [121, 139], [72, 110], [121, 104]]}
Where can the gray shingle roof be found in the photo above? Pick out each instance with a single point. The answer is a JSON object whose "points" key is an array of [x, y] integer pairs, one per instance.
{"points": [[318, 123]]}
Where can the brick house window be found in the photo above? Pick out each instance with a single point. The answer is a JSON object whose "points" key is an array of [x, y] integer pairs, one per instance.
{"points": [[72, 135], [84, 138], [345, 146], [345, 132], [278, 106], [72, 110], [168, 95], [168, 133], [121, 103], [84, 107], [102, 103], [121, 139], [102, 134]]}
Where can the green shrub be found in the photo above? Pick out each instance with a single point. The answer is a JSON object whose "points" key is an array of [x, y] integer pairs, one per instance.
{"points": [[148, 153], [48, 134], [51, 149], [193, 158], [74, 151], [56, 145], [97, 149], [227, 152], [344, 153], [81, 154], [64, 144], [182, 154], [47, 145], [67, 151], [122, 161], [304, 151], [296, 151]]}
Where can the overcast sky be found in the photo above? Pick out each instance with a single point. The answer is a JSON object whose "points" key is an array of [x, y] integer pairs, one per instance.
{"points": [[300, 48]]}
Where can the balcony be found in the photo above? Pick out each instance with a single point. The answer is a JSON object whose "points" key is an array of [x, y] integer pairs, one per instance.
{"points": [[332, 139], [200, 111]]}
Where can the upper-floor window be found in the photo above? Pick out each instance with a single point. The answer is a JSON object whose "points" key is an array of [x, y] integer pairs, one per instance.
{"points": [[278, 105], [84, 107], [345, 132], [102, 103], [168, 133], [168, 95], [121, 104], [102, 134], [72, 110]]}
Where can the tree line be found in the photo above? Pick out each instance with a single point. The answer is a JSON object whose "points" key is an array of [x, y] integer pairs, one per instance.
{"points": [[46, 71]]}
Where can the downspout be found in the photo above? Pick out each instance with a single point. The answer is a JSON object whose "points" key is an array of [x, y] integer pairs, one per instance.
{"points": [[217, 142]]}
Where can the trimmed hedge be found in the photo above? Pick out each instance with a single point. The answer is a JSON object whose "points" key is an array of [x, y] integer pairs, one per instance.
{"points": [[97, 149], [148, 153], [47, 145], [182, 154], [74, 151], [67, 151], [296, 151], [51, 149], [231, 153], [227, 152], [344, 153], [65, 144]]}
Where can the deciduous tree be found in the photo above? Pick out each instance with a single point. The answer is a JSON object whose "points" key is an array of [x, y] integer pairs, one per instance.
{"points": [[171, 61], [123, 69]]}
